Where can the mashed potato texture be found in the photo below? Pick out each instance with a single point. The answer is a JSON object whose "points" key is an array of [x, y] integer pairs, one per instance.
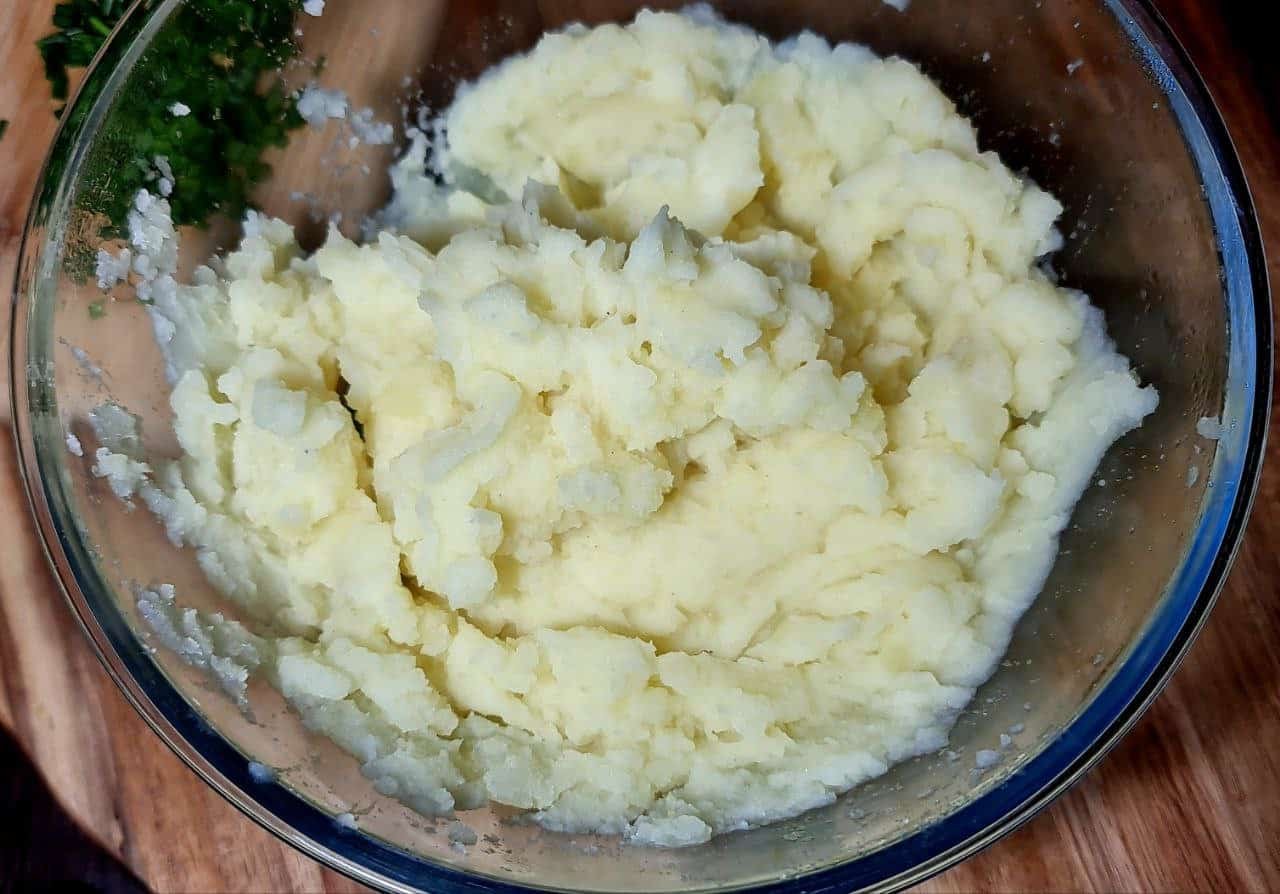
{"points": [[678, 458]]}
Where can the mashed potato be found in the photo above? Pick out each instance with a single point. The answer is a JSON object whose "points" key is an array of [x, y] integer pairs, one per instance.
{"points": [[696, 475]]}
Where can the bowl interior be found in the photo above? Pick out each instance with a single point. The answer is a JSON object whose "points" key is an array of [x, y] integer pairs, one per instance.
{"points": [[1071, 92]]}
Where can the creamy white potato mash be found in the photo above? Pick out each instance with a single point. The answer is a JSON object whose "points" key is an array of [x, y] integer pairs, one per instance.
{"points": [[681, 460]]}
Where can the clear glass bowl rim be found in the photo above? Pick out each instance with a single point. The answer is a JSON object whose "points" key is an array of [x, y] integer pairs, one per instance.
{"points": [[1114, 709]]}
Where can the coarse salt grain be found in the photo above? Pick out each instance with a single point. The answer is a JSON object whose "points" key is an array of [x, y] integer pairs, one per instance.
{"points": [[318, 104], [985, 759], [1209, 427]]}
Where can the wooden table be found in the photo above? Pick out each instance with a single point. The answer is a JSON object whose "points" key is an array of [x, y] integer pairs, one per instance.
{"points": [[1189, 801]]}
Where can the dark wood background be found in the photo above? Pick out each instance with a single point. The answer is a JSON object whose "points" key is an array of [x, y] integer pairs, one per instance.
{"points": [[1189, 801]]}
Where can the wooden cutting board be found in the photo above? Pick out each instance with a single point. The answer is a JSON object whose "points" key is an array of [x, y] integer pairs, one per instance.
{"points": [[1189, 801]]}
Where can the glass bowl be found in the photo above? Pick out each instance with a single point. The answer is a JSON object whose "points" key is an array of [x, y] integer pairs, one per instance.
{"points": [[1094, 100]]}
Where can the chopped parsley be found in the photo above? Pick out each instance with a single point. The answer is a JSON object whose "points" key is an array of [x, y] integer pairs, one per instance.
{"points": [[219, 59], [80, 29]]}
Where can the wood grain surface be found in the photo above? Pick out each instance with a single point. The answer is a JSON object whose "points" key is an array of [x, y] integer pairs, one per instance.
{"points": [[1190, 800]]}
